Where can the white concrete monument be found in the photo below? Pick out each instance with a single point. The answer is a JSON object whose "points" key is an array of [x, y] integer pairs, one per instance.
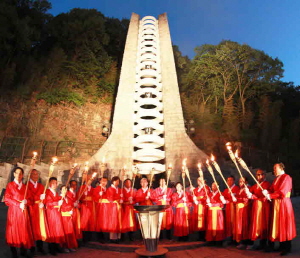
{"points": [[148, 125]]}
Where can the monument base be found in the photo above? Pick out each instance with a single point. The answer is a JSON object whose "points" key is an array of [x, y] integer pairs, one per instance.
{"points": [[143, 252]]}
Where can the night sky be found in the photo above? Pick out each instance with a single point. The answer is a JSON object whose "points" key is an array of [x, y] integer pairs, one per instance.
{"points": [[269, 25]]}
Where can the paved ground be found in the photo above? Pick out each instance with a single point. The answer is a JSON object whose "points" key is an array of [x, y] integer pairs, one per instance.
{"points": [[204, 251]]}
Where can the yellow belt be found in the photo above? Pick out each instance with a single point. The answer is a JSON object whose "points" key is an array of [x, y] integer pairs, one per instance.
{"points": [[200, 197], [288, 195], [65, 214], [163, 202], [104, 201], [56, 207], [180, 205], [38, 201]]}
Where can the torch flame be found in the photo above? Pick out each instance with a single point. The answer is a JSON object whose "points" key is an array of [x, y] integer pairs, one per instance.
{"points": [[103, 159], [75, 165], [228, 146], [54, 160], [199, 165], [207, 162], [184, 162], [34, 154], [212, 157], [94, 175], [170, 166]]}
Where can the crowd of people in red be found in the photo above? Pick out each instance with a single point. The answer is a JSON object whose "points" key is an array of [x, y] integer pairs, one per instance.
{"points": [[241, 213]]}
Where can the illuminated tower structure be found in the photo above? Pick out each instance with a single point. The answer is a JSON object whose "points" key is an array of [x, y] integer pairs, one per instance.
{"points": [[148, 125]]}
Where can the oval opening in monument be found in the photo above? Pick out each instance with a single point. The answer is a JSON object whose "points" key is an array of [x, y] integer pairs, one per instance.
{"points": [[148, 106], [148, 117]]}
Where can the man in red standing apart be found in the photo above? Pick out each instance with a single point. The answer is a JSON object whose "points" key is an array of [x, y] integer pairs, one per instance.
{"points": [[283, 228], [18, 229]]}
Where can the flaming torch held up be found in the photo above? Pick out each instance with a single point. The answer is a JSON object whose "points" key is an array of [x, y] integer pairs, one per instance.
{"points": [[51, 169], [244, 166], [233, 158], [71, 174], [211, 171], [215, 164], [187, 172], [32, 164], [89, 182], [169, 172]]}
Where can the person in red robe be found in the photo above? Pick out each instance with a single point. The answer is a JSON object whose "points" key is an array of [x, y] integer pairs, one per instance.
{"points": [[200, 199], [261, 207], [67, 211], [18, 228], [129, 222], [242, 216], [36, 210], [229, 198], [283, 227], [53, 201], [143, 195], [101, 204], [162, 195], [111, 214], [87, 210], [215, 230], [181, 201], [72, 196]]}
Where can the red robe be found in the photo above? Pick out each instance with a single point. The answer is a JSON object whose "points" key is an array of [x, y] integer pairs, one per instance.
{"points": [[111, 211], [229, 211], [260, 216], [37, 216], [157, 197], [67, 210], [54, 220], [182, 214], [283, 226], [73, 197], [87, 209], [101, 203], [215, 230], [18, 229], [242, 216], [200, 210], [140, 197], [129, 222]]}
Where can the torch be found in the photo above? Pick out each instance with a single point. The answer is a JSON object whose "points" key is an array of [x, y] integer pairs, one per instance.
{"points": [[211, 171], [183, 179], [215, 164], [151, 177], [89, 182], [71, 174], [51, 169], [244, 166], [102, 166], [233, 158], [169, 172], [202, 176], [32, 164]]}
